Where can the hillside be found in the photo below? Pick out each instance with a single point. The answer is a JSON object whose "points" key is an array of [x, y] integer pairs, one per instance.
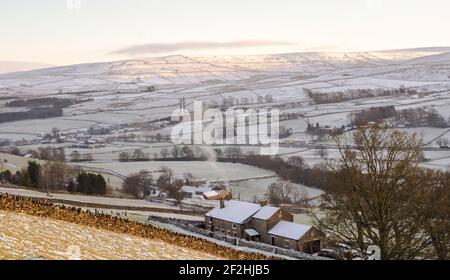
{"points": [[27, 237], [134, 93]]}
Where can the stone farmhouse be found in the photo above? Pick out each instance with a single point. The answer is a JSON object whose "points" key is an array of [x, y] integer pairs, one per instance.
{"points": [[263, 223]]}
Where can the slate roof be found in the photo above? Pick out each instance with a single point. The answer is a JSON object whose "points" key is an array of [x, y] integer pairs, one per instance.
{"points": [[235, 211], [289, 230], [266, 212]]}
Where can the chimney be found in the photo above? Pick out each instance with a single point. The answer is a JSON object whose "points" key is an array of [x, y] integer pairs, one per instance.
{"points": [[222, 203], [263, 202]]}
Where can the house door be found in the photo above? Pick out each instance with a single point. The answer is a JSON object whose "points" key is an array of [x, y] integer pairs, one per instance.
{"points": [[273, 241], [311, 247]]}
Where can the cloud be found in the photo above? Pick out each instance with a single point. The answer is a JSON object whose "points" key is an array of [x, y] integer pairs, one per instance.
{"points": [[157, 48]]}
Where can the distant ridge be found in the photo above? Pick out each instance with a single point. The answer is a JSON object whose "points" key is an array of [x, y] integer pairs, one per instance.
{"points": [[18, 66], [424, 49], [7, 67]]}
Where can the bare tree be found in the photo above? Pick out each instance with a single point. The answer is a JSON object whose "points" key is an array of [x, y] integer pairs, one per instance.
{"points": [[138, 184], [436, 210], [164, 153], [374, 193], [322, 152], [175, 152], [75, 156], [87, 157], [300, 197], [296, 161], [138, 154], [55, 175], [124, 156], [279, 192], [442, 142]]}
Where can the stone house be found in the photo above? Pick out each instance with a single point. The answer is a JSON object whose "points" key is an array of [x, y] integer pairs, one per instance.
{"points": [[265, 219], [263, 223], [192, 191], [232, 218], [303, 238]]}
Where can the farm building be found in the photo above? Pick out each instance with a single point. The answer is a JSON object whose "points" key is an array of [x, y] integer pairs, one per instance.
{"points": [[207, 192], [263, 223], [192, 191]]}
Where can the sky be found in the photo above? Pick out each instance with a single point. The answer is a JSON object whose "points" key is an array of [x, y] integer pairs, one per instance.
{"points": [[61, 32]]}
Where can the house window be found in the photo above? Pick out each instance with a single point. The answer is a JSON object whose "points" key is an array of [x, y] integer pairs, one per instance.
{"points": [[234, 226], [210, 219], [228, 232]]}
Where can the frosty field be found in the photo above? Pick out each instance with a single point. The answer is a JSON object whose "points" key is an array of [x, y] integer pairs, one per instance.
{"points": [[27, 237], [201, 169], [134, 92]]}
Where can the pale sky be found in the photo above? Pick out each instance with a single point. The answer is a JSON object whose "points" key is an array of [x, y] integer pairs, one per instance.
{"points": [[57, 32]]}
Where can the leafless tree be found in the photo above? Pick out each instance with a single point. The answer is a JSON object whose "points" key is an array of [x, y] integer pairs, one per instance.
{"points": [[374, 194], [442, 142], [280, 192]]}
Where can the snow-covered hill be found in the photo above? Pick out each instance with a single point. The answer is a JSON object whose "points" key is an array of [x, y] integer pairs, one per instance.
{"points": [[183, 70], [28, 237], [147, 89], [16, 66]]}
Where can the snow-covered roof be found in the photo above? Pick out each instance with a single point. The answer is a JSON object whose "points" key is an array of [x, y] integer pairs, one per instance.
{"points": [[251, 232], [266, 212], [192, 189], [289, 230], [235, 211], [211, 194]]}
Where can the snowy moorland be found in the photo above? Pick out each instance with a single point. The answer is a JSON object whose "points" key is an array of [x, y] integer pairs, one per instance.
{"points": [[142, 91]]}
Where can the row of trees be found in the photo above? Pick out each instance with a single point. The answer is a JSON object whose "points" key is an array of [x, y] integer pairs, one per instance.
{"points": [[412, 117], [374, 114], [45, 102], [142, 184], [316, 131], [416, 117], [174, 153], [443, 143], [34, 113], [45, 153], [77, 157], [352, 94], [294, 169], [56, 176], [243, 101]]}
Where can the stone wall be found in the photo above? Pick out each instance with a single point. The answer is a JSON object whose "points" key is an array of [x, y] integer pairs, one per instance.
{"points": [[285, 243], [195, 227], [74, 215]]}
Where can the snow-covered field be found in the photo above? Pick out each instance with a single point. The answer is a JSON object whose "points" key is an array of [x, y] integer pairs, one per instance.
{"points": [[141, 90], [28, 237], [200, 169], [109, 201], [256, 188], [119, 89]]}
